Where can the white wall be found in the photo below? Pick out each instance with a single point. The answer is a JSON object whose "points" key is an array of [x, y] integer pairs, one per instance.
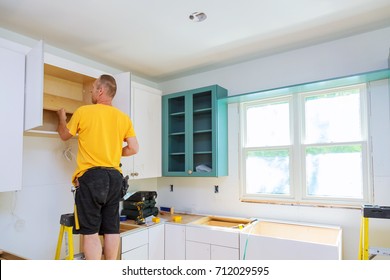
{"points": [[357, 54], [30, 218]]}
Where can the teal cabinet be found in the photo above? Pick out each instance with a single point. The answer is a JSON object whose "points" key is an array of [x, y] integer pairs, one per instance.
{"points": [[195, 133]]}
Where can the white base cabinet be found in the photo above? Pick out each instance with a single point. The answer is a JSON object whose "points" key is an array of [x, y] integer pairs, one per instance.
{"points": [[276, 240], [143, 243], [211, 243], [262, 240], [134, 245], [156, 242], [175, 242], [139, 253], [224, 253]]}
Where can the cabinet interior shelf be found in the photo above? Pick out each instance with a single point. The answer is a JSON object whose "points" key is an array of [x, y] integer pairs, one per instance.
{"points": [[177, 114], [205, 110], [65, 89], [177, 154]]}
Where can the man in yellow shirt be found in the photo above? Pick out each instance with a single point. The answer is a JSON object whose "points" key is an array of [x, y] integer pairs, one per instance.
{"points": [[101, 130]]}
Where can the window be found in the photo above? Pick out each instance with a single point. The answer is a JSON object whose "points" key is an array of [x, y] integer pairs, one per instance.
{"points": [[307, 147]]}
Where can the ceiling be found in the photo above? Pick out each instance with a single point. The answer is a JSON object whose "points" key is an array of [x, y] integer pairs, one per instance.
{"points": [[156, 40]]}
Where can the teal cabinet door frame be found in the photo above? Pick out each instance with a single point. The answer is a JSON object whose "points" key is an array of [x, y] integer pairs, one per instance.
{"points": [[195, 133]]}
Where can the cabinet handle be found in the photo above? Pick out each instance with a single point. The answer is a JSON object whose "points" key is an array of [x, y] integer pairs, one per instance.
{"points": [[136, 174], [190, 171]]}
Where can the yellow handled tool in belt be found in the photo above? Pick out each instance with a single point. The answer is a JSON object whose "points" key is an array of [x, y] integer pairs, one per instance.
{"points": [[76, 218]]}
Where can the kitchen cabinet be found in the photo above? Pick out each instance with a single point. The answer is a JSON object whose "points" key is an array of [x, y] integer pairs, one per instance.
{"points": [[175, 242], [211, 243], [197, 251], [146, 117], [156, 242], [134, 245], [195, 133], [63, 84], [12, 77], [143, 243], [278, 240], [139, 253]]}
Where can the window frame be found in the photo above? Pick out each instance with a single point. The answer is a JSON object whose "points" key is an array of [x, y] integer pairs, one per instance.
{"points": [[297, 150]]}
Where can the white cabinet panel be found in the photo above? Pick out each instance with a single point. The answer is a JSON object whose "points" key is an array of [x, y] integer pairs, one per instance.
{"points": [[146, 117], [205, 243], [12, 69], [224, 253], [33, 115], [122, 97], [277, 240], [213, 236], [134, 240], [156, 242], [139, 253], [197, 251], [175, 242]]}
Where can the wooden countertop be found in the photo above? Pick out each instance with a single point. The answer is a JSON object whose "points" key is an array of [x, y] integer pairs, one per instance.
{"points": [[167, 217]]}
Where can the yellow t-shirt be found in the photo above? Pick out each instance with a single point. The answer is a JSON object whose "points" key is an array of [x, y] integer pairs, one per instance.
{"points": [[101, 130]]}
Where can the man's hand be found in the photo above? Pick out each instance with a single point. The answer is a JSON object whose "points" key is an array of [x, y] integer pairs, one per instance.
{"points": [[61, 115], [62, 130]]}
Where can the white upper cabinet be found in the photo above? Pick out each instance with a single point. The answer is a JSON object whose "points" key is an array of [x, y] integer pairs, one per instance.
{"points": [[122, 98], [146, 118], [34, 87], [53, 83], [12, 75]]}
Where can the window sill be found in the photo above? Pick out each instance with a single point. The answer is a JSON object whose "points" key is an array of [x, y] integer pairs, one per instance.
{"points": [[300, 203]]}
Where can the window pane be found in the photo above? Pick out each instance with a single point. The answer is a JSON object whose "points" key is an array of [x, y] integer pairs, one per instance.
{"points": [[334, 171], [333, 117], [268, 172], [268, 125]]}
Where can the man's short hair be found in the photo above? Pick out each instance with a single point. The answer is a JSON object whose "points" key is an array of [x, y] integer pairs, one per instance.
{"points": [[109, 83]]}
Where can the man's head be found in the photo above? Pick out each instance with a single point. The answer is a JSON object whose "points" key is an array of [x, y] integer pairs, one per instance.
{"points": [[103, 88]]}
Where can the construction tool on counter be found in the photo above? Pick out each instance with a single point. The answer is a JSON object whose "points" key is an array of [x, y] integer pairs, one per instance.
{"points": [[140, 220], [371, 211], [140, 205]]}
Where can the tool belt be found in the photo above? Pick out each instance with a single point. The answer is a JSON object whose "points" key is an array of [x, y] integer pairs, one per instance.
{"points": [[125, 185]]}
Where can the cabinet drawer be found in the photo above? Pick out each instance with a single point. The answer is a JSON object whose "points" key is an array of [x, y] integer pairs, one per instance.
{"points": [[140, 253], [212, 236], [197, 251], [224, 253], [134, 240]]}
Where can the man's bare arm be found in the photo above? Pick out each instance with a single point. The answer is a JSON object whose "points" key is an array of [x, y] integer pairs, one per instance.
{"points": [[131, 148], [62, 130]]}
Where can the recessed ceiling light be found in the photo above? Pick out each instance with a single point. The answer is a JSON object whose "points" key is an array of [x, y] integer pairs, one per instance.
{"points": [[198, 16]]}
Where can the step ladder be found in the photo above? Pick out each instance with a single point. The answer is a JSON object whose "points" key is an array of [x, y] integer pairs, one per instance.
{"points": [[67, 222], [377, 212]]}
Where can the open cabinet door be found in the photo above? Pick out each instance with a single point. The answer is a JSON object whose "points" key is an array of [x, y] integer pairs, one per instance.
{"points": [[33, 103], [11, 119]]}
